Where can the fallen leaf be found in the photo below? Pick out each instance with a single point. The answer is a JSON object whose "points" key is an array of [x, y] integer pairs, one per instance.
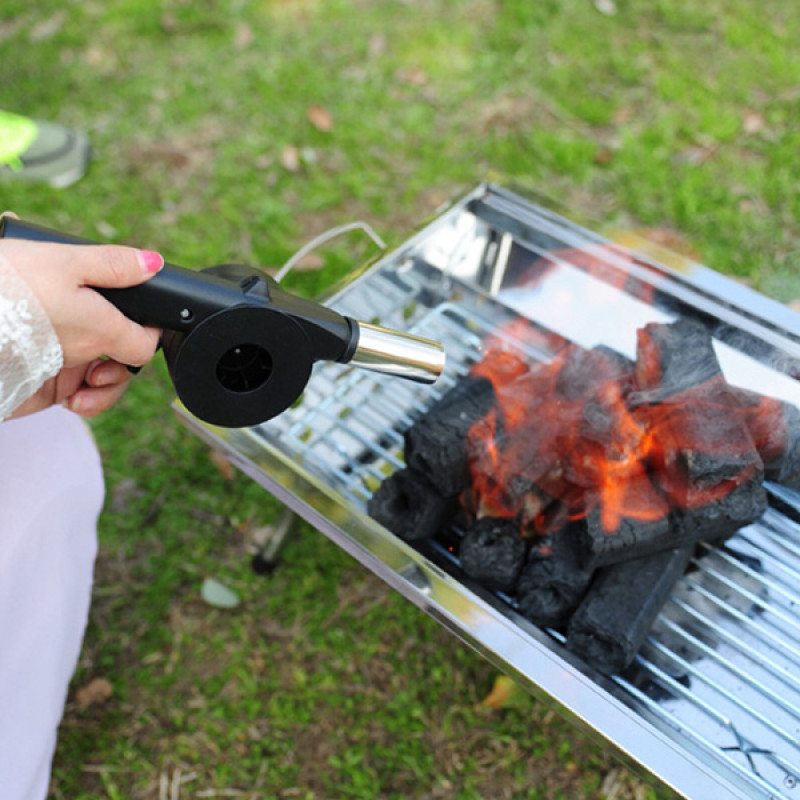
{"points": [[48, 27], [257, 536], [377, 45], [94, 693], [217, 594], [506, 113], [99, 58], [264, 161], [223, 465], [169, 22], [607, 7], [413, 76], [320, 118], [105, 229], [308, 155], [505, 693], [243, 36], [623, 114], [696, 154], [290, 158], [603, 156], [753, 122]]}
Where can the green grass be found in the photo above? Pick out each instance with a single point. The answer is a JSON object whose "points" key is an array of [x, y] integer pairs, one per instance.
{"points": [[673, 115]]}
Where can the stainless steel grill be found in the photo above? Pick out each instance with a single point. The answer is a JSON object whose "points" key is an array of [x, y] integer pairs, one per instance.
{"points": [[712, 702]]}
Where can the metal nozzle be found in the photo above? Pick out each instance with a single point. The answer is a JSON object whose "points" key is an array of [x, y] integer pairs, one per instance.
{"points": [[401, 354]]}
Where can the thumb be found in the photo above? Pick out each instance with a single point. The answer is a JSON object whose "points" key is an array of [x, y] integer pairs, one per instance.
{"points": [[108, 266]]}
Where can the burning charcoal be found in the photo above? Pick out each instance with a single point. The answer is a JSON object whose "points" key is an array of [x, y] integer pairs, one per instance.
{"points": [[493, 552], [671, 358], [775, 428], [553, 581], [631, 538], [722, 515], [585, 370], [610, 625], [435, 445], [409, 506], [705, 461]]}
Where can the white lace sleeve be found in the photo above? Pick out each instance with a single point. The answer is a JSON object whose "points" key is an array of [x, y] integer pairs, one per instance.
{"points": [[30, 352]]}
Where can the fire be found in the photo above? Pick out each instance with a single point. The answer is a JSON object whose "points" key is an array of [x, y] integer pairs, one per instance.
{"points": [[582, 434]]}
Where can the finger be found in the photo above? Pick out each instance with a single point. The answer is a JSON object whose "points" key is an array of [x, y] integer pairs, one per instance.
{"points": [[127, 342], [108, 266], [89, 402], [104, 372], [9, 214]]}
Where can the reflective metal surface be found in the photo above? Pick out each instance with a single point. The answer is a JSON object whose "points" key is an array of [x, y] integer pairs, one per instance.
{"points": [[711, 706], [400, 354]]}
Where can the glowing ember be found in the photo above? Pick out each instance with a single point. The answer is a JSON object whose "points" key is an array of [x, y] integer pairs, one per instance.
{"points": [[598, 434]]}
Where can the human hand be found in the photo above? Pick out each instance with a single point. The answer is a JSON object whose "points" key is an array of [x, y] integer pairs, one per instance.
{"points": [[87, 325], [86, 389]]}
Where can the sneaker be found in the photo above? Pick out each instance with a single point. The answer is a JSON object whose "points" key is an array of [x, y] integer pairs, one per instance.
{"points": [[41, 151]]}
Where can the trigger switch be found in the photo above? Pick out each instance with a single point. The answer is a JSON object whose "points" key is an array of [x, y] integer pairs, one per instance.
{"points": [[255, 286]]}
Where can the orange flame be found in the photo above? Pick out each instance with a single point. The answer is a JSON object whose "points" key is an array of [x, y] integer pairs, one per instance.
{"points": [[592, 450], [566, 437]]}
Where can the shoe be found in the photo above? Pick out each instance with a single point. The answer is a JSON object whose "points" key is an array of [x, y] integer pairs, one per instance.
{"points": [[41, 151]]}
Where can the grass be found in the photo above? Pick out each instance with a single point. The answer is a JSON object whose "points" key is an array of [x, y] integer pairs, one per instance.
{"points": [[667, 115]]}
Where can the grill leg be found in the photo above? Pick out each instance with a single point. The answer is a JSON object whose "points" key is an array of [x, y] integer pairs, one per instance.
{"points": [[267, 554]]}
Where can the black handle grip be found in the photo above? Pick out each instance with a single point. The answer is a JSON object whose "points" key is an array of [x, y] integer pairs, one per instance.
{"points": [[176, 298]]}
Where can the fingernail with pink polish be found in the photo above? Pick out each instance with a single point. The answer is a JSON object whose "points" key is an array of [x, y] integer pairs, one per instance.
{"points": [[150, 260]]}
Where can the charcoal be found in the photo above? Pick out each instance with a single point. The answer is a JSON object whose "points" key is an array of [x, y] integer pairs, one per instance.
{"points": [[409, 506], [492, 552], [721, 517], [599, 423], [674, 357], [775, 428], [632, 538], [784, 468], [435, 445], [678, 360], [613, 620], [584, 370], [518, 496], [705, 461], [553, 581], [622, 366], [609, 440]]}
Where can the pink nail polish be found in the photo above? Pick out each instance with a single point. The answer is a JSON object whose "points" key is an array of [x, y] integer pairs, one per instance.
{"points": [[150, 260]]}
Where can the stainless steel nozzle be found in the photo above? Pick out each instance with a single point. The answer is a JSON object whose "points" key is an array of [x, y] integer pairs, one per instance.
{"points": [[396, 353]]}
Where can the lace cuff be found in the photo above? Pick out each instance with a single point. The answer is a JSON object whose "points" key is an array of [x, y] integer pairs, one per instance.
{"points": [[30, 352]]}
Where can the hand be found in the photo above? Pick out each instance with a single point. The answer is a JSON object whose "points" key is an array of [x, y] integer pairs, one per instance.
{"points": [[87, 325], [87, 389]]}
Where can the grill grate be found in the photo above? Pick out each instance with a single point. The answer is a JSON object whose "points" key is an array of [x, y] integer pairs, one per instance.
{"points": [[722, 663]]}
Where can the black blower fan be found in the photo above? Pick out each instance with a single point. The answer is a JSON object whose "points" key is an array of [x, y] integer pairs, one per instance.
{"points": [[238, 347]]}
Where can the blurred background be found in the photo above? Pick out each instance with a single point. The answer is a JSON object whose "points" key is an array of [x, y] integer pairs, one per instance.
{"points": [[237, 130]]}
